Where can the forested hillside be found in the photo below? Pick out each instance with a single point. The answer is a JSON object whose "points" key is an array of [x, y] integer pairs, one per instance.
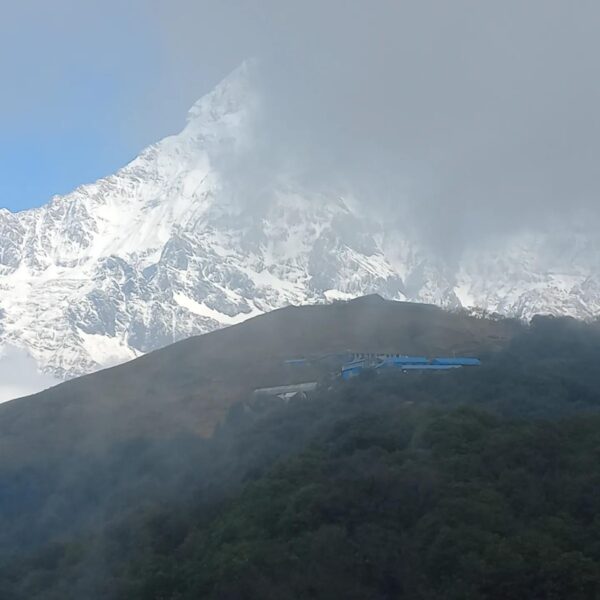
{"points": [[480, 483], [400, 504]]}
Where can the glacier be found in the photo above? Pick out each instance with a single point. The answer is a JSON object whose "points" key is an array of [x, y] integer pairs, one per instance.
{"points": [[168, 247]]}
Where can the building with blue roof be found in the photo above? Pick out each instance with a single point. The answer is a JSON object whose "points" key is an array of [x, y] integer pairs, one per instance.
{"points": [[382, 362]]}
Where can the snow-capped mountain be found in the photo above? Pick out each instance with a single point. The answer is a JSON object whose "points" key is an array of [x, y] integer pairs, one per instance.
{"points": [[169, 247]]}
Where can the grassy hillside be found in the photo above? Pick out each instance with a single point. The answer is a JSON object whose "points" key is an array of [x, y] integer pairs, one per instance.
{"points": [[189, 386]]}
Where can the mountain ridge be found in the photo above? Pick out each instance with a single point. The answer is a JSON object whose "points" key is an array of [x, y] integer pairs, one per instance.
{"points": [[174, 245]]}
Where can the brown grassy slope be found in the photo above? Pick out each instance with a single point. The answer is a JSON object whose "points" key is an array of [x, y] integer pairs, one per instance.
{"points": [[190, 385]]}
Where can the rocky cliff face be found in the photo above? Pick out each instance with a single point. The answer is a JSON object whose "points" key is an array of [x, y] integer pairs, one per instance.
{"points": [[167, 248]]}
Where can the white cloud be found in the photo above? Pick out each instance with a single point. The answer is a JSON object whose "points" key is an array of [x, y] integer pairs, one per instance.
{"points": [[19, 375]]}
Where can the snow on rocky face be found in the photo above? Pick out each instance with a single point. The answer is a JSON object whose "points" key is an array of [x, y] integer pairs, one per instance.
{"points": [[166, 248]]}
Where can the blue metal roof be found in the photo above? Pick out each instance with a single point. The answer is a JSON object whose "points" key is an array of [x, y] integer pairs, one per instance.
{"points": [[354, 363], [406, 363], [394, 361], [348, 372], [457, 360], [429, 367]]}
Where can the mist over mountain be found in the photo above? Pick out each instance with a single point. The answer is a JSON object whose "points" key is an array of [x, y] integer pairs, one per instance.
{"points": [[202, 231], [424, 151], [19, 375]]}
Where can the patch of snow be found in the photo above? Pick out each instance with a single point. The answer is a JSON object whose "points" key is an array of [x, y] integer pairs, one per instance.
{"points": [[105, 350], [333, 295], [202, 310]]}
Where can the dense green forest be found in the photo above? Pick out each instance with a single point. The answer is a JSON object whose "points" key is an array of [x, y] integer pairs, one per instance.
{"points": [[480, 483], [399, 505]]}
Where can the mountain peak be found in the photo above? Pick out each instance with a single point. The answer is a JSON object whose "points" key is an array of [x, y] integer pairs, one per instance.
{"points": [[233, 95], [183, 241]]}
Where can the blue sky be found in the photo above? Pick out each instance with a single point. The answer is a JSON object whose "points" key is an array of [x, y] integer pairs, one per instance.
{"points": [[66, 98], [86, 85], [42, 155]]}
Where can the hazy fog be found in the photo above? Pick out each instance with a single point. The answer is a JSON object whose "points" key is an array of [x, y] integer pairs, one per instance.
{"points": [[482, 116], [19, 375]]}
